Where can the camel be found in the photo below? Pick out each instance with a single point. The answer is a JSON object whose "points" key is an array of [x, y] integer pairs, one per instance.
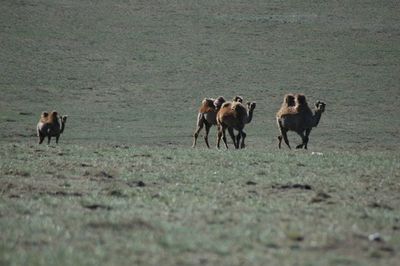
{"points": [[234, 115], [207, 116], [50, 125], [298, 118]]}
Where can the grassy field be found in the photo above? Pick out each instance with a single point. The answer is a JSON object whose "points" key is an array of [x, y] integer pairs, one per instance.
{"points": [[124, 187]]}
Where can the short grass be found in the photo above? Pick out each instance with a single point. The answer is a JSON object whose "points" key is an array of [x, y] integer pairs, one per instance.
{"points": [[124, 186], [127, 205]]}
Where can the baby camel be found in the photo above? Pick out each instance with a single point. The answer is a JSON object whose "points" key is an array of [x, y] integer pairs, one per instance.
{"points": [[50, 125], [298, 117], [207, 116], [234, 115]]}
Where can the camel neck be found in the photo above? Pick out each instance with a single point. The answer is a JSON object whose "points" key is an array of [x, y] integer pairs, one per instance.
{"points": [[317, 117], [249, 116], [62, 127]]}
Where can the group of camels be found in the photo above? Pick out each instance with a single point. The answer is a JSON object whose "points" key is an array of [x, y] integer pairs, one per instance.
{"points": [[294, 115]]}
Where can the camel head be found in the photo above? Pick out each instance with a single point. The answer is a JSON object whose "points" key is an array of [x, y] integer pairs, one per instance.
{"points": [[251, 105], [289, 100], [63, 118], [238, 99], [320, 106]]}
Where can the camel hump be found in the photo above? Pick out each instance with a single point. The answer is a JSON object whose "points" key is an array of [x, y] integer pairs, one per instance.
{"points": [[289, 100], [239, 108], [207, 105], [288, 110], [301, 99], [207, 101], [44, 117], [301, 104], [219, 102], [226, 105], [53, 117]]}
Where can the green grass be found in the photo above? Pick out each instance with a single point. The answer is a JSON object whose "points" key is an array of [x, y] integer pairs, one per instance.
{"points": [[121, 205], [124, 186], [140, 70]]}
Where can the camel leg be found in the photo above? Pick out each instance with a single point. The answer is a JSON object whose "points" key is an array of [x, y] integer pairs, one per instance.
{"points": [[285, 138], [224, 137], [200, 124], [283, 135], [238, 140], [208, 126], [242, 146], [40, 136], [219, 136], [303, 139], [279, 141], [308, 131], [57, 137], [48, 139], [230, 131]]}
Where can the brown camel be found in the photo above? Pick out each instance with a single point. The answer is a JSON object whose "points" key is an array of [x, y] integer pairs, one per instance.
{"points": [[298, 118], [234, 115], [50, 125], [207, 116]]}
